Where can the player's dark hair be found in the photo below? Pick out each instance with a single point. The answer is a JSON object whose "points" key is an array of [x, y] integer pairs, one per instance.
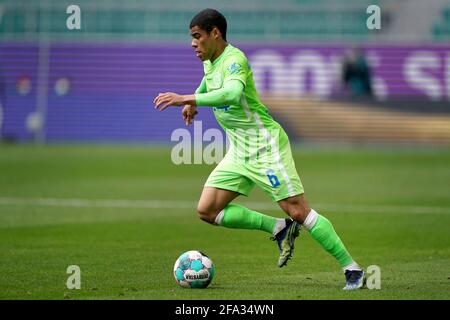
{"points": [[207, 19]]}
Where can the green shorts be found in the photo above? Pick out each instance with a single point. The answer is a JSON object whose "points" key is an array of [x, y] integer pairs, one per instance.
{"points": [[274, 173]]}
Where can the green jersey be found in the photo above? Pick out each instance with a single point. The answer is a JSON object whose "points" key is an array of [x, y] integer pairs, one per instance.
{"points": [[259, 151]]}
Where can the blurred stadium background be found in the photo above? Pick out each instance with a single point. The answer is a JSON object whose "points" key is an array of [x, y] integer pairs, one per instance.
{"points": [[98, 83]]}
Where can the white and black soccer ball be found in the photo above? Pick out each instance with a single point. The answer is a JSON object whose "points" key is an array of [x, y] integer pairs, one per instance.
{"points": [[193, 269]]}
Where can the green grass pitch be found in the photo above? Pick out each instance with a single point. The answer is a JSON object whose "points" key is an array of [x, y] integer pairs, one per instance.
{"points": [[124, 214]]}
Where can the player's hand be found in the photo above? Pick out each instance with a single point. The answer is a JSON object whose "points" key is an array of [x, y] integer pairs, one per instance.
{"points": [[167, 99], [189, 113]]}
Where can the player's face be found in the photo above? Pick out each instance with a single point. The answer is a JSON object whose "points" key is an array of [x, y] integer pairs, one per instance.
{"points": [[203, 43]]}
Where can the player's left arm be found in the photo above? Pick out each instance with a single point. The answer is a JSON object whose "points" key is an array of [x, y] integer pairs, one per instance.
{"points": [[167, 99], [235, 71], [229, 94]]}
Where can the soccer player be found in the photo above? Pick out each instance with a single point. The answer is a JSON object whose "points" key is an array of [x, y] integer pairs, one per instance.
{"points": [[228, 87]]}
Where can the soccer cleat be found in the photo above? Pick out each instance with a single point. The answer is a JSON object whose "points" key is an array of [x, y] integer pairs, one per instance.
{"points": [[285, 240], [354, 279]]}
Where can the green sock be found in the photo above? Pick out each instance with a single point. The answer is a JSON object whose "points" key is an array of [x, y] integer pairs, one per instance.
{"points": [[323, 232], [239, 217]]}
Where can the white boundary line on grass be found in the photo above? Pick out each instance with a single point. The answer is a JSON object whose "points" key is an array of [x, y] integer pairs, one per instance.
{"points": [[177, 204]]}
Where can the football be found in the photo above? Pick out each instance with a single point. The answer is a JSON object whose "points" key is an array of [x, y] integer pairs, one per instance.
{"points": [[193, 269]]}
